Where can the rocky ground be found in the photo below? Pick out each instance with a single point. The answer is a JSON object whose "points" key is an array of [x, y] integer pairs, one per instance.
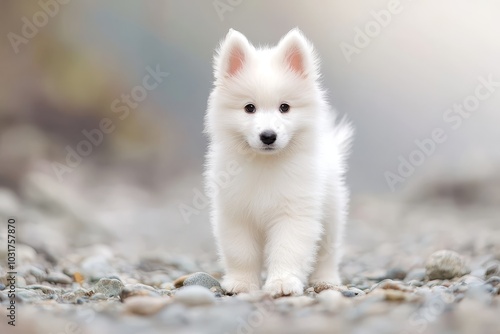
{"points": [[413, 264]]}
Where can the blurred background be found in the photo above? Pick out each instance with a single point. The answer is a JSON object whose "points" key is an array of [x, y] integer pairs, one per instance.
{"points": [[65, 68]]}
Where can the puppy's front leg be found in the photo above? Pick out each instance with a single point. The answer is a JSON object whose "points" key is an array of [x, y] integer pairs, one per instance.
{"points": [[291, 248], [241, 250]]}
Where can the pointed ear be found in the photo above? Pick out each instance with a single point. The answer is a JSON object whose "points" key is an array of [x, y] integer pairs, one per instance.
{"points": [[232, 55], [298, 54]]}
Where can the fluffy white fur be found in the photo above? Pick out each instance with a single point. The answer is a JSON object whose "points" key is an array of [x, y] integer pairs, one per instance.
{"points": [[284, 207]]}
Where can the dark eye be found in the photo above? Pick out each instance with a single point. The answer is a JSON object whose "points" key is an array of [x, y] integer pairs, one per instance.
{"points": [[284, 107], [250, 108]]}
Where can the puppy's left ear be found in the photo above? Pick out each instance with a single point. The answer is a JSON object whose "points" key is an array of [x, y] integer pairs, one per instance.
{"points": [[298, 55]]}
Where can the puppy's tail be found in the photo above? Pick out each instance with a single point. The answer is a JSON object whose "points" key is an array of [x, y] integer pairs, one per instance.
{"points": [[344, 133]]}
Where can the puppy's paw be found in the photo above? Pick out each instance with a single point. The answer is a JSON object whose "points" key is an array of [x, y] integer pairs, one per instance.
{"points": [[235, 286], [286, 286]]}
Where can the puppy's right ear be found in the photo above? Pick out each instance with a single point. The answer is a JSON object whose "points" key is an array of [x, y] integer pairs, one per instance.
{"points": [[232, 55]]}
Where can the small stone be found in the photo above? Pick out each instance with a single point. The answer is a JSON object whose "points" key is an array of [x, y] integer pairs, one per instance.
{"points": [[493, 270], [109, 287], [202, 279], [29, 295], [331, 300], [145, 305], [97, 266], [310, 292], [69, 297], [20, 282], [99, 296], [395, 295], [25, 254], [459, 288], [178, 283], [321, 286], [45, 289], [134, 290], [195, 295], [58, 278], [165, 292], [417, 274], [296, 301], [2, 287], [358, 292], [471, 280], [445, 264], [396, 273], [415, 283], [493, 281], [167, 286], [38, 273], [348, 293]]}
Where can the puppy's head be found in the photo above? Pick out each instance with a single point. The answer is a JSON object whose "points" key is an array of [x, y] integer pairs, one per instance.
{"points": [[264, 99]]}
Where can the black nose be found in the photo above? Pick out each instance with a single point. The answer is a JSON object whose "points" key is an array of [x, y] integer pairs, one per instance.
{"points": [[268, 137]]}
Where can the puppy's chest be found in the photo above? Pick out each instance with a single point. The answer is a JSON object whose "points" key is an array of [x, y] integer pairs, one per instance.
{"points": [[262, 192]]}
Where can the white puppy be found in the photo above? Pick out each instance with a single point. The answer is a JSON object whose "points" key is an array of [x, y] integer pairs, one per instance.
{"points": [[275, 167]]}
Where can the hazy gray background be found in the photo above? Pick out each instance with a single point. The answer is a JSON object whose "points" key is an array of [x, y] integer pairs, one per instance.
{"points": [[395, 91]]}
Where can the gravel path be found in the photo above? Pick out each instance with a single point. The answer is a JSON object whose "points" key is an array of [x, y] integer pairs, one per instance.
{"points": [[412, 265]]}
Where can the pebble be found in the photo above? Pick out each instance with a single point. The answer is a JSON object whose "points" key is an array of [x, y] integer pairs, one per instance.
{"points": [[179, 282], [97, 266], [20, 282], [392, 285], [348, 293], [396, 273], [38, 273], [25, 254], [331, 300], [394, 295], [493, 270], [108, 286], [195, 295], [99, 296], [321, 286], [134, 290], [471, 280], [493, 280], [417, 274], [48, 290], [58, 278], [357, 291], [29, 295], [415, 283], [145, 305], [2, 287], [296, 301], [445, 264], [202, 279]]}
